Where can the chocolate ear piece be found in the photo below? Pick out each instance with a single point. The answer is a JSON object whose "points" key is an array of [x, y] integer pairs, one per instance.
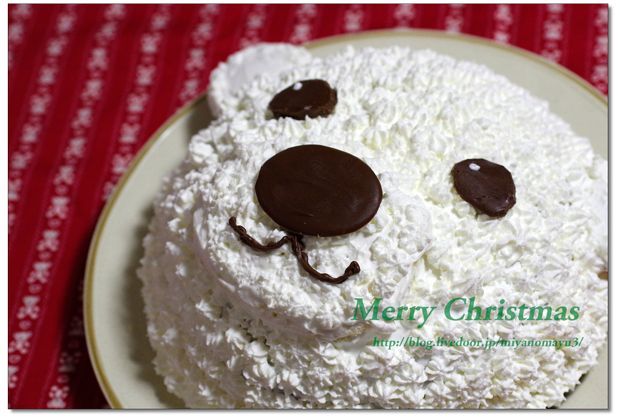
{"points": [[487, 186], [311, 98]]}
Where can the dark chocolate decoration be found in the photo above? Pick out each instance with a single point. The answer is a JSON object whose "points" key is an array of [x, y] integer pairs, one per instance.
{"points": [[311, 98], [298, 247], [318, 191], [487, 186], [250, 241], [302, 257]]}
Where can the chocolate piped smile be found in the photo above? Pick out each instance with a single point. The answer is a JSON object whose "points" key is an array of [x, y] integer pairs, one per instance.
{"points": [[316, 191], [298, 247]]}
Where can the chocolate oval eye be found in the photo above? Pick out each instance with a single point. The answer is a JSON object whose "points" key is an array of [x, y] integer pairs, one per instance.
{"points": [[487, 186], [318, 191], [311, 98]]}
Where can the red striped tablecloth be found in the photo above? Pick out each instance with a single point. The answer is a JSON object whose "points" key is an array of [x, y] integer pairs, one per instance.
{"points": [[88, 85]]}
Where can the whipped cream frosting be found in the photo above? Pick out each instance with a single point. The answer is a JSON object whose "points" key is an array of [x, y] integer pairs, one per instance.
{"points": [[233, 327]]}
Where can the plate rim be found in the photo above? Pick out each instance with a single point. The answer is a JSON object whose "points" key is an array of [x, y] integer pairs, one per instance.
{"points": [[94, 246], [92, 347]]}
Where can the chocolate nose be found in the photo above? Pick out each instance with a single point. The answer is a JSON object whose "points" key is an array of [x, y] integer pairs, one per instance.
{"points": [[316, 191]]}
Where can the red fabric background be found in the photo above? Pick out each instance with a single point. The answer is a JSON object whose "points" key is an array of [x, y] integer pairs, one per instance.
{"points": [[89, 84]]}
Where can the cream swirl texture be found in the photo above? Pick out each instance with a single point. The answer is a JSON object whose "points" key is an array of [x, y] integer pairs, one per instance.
{"points": [[233, 327]]}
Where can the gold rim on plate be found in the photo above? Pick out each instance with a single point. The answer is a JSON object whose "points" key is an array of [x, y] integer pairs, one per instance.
{"points": [[380, 35]]}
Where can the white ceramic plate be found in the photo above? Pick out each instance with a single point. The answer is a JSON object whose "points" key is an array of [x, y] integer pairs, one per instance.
{"points": [[113, 307]]}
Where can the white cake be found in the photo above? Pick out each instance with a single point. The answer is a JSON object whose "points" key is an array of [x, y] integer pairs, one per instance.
{"points": [[237, 328]]}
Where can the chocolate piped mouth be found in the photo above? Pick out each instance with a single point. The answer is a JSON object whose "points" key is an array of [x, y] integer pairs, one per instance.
{"points": [[297, 246]]}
